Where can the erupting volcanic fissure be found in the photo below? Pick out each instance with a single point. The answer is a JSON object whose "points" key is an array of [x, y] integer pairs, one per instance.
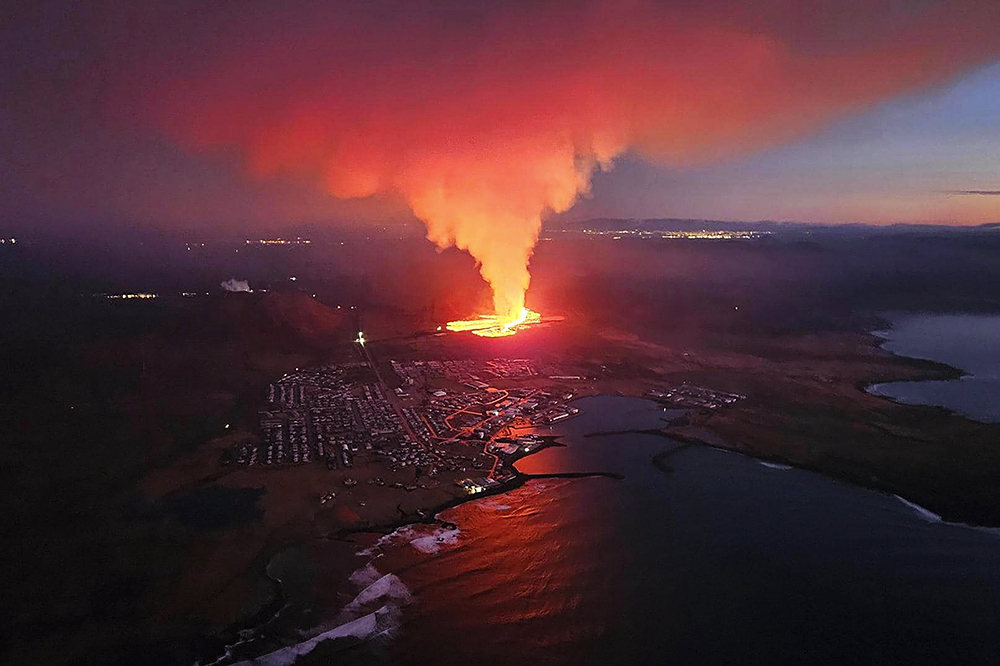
{"points": [[496, 326], [490, 203]]}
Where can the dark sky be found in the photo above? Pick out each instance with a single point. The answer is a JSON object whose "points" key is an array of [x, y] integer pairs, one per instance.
{"points": [[234, 114]]}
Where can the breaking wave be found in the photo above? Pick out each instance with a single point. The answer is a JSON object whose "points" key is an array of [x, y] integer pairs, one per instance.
{"points": [[367, 626], [492, 505], [365, 576], [932, 517], [926, 514], [427, 539], [375, 612], [387, 588]]}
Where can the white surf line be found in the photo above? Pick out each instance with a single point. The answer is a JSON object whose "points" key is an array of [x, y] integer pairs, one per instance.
{"points": [[935, 519]]}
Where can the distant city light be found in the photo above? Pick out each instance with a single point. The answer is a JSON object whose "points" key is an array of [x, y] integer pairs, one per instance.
{"points": [[140, 295], [279, 241], [701, 234]]}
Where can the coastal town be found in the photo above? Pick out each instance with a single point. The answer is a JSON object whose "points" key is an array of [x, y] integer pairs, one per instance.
{"points": [[410, 424], [689, 396]]}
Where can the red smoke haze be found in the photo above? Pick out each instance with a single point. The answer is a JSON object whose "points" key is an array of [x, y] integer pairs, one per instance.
{"points": [[485, 119]]}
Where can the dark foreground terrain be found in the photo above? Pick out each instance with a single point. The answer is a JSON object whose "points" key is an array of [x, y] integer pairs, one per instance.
{"points": [[128, 542]]}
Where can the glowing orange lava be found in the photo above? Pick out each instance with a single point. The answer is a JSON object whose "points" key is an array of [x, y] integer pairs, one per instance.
{"points": [[495, 326]]}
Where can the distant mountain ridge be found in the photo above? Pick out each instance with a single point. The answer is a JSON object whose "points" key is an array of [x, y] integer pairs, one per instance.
{"points": [[686, 224]]}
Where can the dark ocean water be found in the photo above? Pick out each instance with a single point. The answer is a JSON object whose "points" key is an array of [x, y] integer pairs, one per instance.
{"points": [[968, 342], [722, 560]]}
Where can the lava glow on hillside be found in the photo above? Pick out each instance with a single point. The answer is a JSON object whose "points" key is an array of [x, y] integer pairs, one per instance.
{"points": [[496, 326]]}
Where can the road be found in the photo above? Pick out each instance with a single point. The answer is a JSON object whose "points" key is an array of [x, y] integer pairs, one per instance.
{"points": [[391, 397]]}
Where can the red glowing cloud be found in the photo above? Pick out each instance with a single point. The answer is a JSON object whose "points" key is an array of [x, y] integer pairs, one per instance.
{"points": [[486, 119]]}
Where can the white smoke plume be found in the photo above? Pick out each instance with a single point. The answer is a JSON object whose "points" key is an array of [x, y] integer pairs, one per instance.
{"points": [[232, 284]]}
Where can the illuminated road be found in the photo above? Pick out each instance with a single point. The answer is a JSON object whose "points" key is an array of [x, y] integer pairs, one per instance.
{"points": [[473, 428], [389, 395]]}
